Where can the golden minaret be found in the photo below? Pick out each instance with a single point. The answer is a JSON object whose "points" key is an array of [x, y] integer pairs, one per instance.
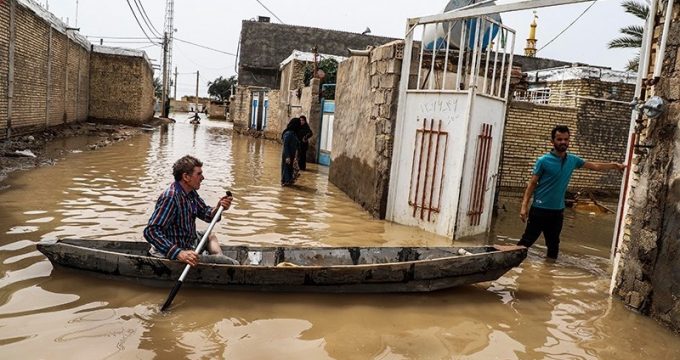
{"points": [[530, 50]]}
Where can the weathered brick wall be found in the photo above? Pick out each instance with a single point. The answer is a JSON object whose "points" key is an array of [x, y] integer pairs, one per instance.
{"points": [[275, 116], [365, 112], [51, 71], [647, 270], [57, 102], [4, 66], [599, 133], [121, 88], [216, 111], [239, 108], [240, 111], [30, 70]]}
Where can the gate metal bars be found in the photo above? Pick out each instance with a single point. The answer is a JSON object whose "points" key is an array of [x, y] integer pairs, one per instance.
{"points": [[428, 181], [482, 157]]}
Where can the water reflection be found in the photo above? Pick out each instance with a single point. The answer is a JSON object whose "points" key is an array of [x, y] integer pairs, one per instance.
{"points": [[539, 310]]}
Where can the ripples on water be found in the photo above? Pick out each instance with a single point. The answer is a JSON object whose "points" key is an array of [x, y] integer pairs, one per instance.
{"points": [[539, 310]]}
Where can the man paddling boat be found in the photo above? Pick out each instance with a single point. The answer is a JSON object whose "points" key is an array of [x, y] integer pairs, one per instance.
{"points": [[171, 230]]}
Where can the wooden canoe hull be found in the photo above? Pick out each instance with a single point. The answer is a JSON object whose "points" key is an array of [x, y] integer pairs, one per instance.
{"points": [[321, 269]]}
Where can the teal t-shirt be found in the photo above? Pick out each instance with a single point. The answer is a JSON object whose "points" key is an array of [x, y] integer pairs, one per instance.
{"points": [[553, 173]]}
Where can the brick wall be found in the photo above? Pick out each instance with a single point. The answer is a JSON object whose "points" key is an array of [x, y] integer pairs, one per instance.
{"points": [[51, 72], [121, 87], [366, 97], [239, 108], [4, 66], [599, 133]]}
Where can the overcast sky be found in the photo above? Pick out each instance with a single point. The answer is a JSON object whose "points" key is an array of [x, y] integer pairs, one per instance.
{"points": [[217, 24]]}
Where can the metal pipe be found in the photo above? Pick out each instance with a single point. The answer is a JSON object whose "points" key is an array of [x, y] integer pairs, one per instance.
{"points": [[461, 53], [512, 54], [488, 10], [446, 60], [420, 62], [427, 168], [664, 39], [413, 169], [646, 44], [434, 171], [420, 166], [475, 53], [353, 52]]}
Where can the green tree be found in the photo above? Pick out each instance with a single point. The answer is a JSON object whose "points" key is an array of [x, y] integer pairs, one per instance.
{"points": [[330, 68], [220, 88], [632, 34]]}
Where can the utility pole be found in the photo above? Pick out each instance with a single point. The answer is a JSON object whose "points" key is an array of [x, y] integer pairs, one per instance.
{"points": [[169, 33], [175, 96], [164, 97], [196, 93]]}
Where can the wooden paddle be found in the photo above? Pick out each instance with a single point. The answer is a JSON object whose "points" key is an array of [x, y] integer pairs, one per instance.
{"points": [[199, 247]]}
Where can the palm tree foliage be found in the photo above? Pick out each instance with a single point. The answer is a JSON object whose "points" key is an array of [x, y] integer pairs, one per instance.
{"points": [[632, 34]]}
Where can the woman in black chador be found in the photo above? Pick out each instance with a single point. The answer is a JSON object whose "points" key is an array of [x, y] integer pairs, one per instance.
{"points": [[291, 145], [304, 135]]}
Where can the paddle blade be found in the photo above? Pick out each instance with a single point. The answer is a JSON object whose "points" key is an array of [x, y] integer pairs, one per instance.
{"points": [[171, 297]]}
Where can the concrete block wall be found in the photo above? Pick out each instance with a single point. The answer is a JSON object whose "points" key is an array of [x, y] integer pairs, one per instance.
{"points": [[366, 98]]}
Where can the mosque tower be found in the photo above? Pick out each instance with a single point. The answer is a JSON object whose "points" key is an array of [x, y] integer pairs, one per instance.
{"points": [[530, 50]]}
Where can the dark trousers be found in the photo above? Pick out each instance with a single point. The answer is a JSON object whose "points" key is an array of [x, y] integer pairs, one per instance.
{"points": [[548, 222], [302, 155]]}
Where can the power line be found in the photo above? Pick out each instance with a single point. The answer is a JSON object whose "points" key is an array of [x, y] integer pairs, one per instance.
{"points": [[140, 7], [205, 47], [138, 23], [568, 26], [277, 18], [179, 51], [116, 37]]}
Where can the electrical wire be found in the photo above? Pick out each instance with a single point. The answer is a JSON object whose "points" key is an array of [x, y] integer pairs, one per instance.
{"points": [[568, 26], [277, 18], [205, 47], [138, 23], [116, 37], [148, 22]]}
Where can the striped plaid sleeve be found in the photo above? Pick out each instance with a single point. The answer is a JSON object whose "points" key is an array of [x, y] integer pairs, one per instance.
{"points": [[153, 233], [205, 211]]}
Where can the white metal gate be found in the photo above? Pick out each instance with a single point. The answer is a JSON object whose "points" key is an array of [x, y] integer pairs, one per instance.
{"points": [[449, 124]]}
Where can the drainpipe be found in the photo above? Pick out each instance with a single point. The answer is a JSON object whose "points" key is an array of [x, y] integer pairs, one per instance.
{"points": [[664, 40], [646, 45], [622, 210]]}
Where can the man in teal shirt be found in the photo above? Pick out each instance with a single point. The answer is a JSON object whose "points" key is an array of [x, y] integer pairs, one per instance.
{"points": [[548, 185]]}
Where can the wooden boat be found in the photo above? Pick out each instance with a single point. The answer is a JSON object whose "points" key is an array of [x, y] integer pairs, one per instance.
{"points": [[318, 269]]}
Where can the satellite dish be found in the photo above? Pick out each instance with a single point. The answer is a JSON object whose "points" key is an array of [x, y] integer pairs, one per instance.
{"points": [[435, 35], [367, 31]]}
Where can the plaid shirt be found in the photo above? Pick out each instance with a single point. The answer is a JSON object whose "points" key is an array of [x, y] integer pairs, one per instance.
{"points": [[172, 226]]}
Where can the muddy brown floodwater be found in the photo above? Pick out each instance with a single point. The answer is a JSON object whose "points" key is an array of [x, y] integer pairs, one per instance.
{"points": [[536, 311]]}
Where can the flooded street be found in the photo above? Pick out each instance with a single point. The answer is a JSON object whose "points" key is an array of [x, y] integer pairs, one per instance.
{"points": [[539, 310]]}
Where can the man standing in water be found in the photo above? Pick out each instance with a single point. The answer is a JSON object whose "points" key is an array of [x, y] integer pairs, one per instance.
{"points": [[548, 185], [171, 230]]}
